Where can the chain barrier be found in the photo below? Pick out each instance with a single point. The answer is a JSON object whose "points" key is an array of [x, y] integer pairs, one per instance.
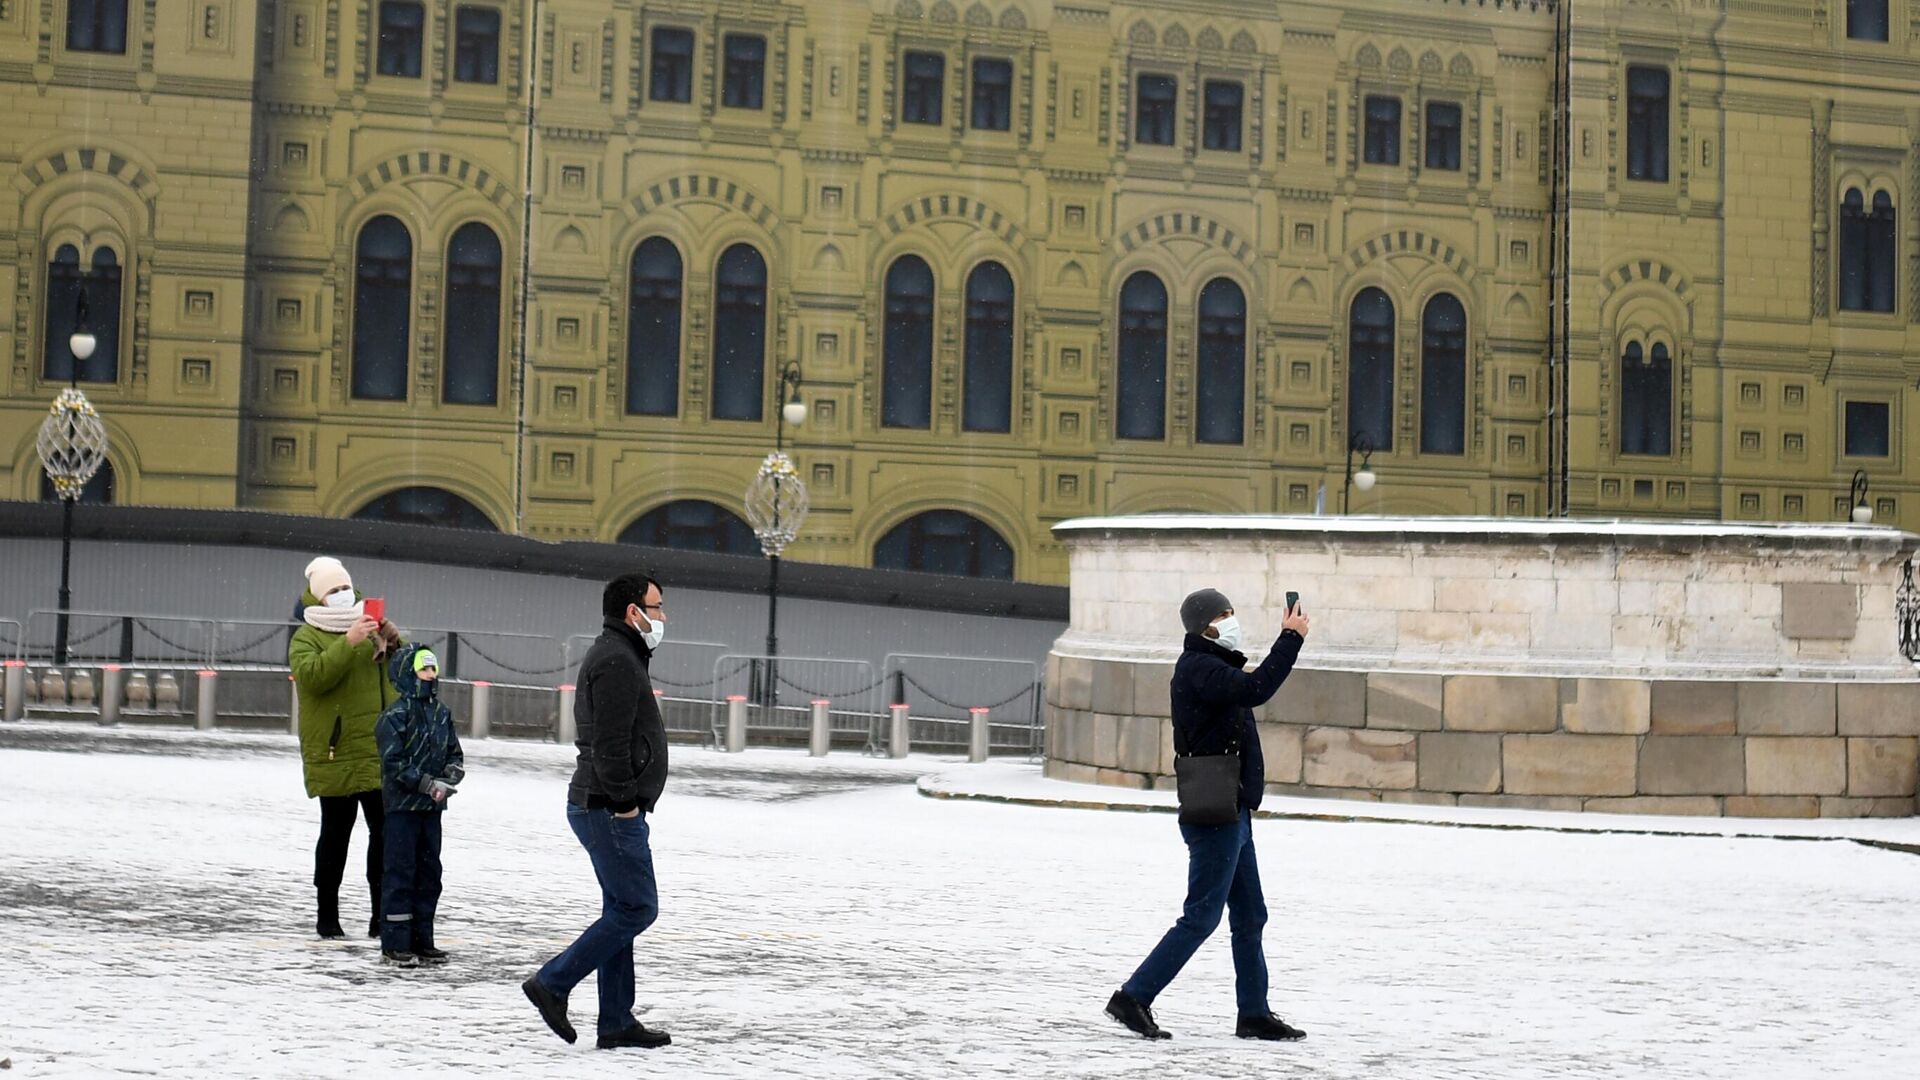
{"points": [[467, 643], [164, 640], [869, 688], [938, 700], [255, 643]]}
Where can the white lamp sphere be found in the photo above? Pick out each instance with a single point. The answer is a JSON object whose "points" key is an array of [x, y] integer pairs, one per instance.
{"points": [[795, 412], [82, 344], [1365, 479], [1863, 514]]}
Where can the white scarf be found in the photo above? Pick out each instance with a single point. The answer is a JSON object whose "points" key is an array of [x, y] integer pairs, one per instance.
{"points": [[334, 620]]}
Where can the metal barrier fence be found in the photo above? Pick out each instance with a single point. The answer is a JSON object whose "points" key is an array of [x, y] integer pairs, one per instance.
{"points": [[13, 640], [778, 694], [942, 692]]}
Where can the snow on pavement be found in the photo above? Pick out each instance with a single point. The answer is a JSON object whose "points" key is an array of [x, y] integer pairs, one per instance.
{"points": [[821, 919]]}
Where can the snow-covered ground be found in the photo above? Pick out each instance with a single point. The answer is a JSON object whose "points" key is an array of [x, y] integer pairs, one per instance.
{"points": [[822, 919]]}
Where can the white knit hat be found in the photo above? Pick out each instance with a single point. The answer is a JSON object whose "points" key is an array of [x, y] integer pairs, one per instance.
{"points": [[325, 574]]}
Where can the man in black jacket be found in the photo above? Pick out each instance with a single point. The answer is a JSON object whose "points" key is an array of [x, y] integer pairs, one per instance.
{"points": [[621, 772], [1213, 701]]}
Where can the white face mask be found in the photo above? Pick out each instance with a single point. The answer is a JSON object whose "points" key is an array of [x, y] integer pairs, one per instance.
{"points": [[341, 599], [654, 634], [1229, 631]]}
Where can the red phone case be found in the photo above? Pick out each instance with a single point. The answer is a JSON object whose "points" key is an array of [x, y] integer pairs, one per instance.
{"points": [[376, 608]]}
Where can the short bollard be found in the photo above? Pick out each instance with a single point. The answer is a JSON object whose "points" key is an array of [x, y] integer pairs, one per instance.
{"points": [[736, 723], [204, 700], [482, 709], [977, 735], [16, 690], [820, 730], [293, 706], [899, 733], [112, 693], [566, 731]]}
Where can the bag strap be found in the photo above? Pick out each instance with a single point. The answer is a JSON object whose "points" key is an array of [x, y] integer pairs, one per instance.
{"points": [[1180, 740]]}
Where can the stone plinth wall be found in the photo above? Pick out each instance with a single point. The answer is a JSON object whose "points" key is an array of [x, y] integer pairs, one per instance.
{"points": [[1742, 670]]}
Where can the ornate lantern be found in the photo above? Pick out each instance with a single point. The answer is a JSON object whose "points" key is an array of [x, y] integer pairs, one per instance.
{"points": [[1906, 612], [72, 443], [776, 503]]}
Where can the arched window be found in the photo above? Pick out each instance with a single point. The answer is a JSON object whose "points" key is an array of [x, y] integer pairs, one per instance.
{"points": [[653, 329], [739, 334], [989, 371], [1370, 369], [1141, 411], [1881, 267], [1443, 377], [426, 506], [693, 525], [101, 283], [98, 490], [382, 310], [945, 542], [1867, 246], [472, 375], [1646, 400], [1222, 375], [906, 381]]}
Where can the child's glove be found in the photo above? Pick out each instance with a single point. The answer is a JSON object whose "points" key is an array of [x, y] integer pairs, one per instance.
{"points": [[455, 774], [440, 789]]}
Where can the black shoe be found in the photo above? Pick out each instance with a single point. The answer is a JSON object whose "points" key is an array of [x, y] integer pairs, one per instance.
{"points": [[430, 955], [328, 929], [552, 1006], [638, 1035], [1268, 1027], [1137, 1017], [399, 959]]}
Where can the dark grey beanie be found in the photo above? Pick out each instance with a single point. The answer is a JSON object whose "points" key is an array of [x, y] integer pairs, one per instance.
{"points": [[1198, 610]]}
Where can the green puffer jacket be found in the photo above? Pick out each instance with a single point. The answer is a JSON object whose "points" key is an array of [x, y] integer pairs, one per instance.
{"points": [[343, 690]]}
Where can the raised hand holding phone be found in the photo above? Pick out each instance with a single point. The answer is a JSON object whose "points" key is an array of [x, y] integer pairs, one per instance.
{"points": [[1296, 619], [376, 609]]}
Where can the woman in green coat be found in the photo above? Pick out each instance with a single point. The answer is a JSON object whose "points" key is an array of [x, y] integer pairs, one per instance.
{"points": [[339, 670]]}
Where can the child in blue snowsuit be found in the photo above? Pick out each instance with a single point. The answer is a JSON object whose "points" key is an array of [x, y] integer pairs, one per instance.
{"points": [[420, 766]]}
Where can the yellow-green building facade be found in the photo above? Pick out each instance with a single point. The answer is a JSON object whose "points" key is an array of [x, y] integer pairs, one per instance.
{"points": [[1636, 257]]}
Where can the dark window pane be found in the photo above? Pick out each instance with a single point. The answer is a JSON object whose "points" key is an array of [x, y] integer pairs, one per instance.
{"points": [[1223, 122], [97, 26], [99, 489], [672, 74], [1646, 401], [1443, 377], [1222, 369], [401, 26], [1153, 111], [472, 375], [427, 506], [906, 383], [1141, 411], [1853, 252], [1443, 136], [739, 335], [989, 361], [1383, 131], [1869, 429], [743, 85], [382, 310], [476, 46], [1370, 369], [945, 542], [1881, 245], [1867, 20], [1647, 123], [921, 88], [66, 283], [63, 297], [653, 330], [103, 301], [693, 525], [992, 95]]}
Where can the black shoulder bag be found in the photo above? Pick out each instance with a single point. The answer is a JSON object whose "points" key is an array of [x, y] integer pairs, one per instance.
{"points": [[1209, 783]]}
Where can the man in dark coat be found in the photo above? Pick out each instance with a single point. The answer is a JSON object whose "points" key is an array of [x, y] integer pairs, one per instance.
{"points": [[1213, 701], [621, 772]]}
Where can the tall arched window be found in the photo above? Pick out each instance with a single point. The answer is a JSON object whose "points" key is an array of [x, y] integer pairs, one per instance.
{"points": [[100, 489], [426, 506], [1443, 377], [1646, 400], [989, 371], [653, 329], [1141, 397], [945, 542], [1868, 269], [1881, 267], [1370, 368], [382, 310], [906, 381], [693, 525], [1222, 375], [101, 283], [739, 334], [472, 336]]}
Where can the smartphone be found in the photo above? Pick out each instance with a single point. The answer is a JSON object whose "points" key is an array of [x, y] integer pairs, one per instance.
{"points": [[376, 608], [1293, 602]]}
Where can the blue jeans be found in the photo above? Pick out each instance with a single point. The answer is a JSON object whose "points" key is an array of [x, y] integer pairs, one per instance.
{"points": [[629, 903], [1221, 872], [410, 883]]}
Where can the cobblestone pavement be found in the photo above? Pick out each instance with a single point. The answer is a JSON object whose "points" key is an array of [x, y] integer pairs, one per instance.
{"points": [[819, 919]]}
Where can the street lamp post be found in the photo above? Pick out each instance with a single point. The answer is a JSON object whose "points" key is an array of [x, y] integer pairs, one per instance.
{"points": [[72, 445], [1366, 477], [776, 507], [1862, 512]]}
